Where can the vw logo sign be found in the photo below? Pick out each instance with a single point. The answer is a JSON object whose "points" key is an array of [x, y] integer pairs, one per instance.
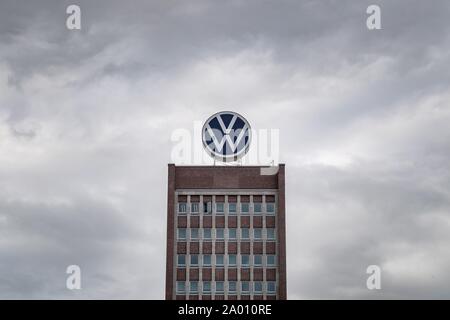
{"points": [[226, 136]]}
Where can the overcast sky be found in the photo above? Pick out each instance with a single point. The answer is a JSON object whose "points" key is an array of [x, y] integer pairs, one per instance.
{"points": [[86, 118]]}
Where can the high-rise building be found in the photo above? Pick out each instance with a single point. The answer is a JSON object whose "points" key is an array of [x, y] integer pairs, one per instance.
{"points": [[225, 233]]}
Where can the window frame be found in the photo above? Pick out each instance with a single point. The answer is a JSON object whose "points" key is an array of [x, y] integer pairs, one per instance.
{"points": [[260, 264], [235, 260], [274, 287], [203, 287], [190, 234], [274, 260], [223, 260], [178, 260], [192, 207], [255, 289], [190, 286], [242, 260], [248, 234], [208, 207], [235, 286], [191, 256], [222, 285], [180, 206], [177, 289], [260, 233], [235, 234], [223, 233], [274, 237], [272, 204], [235, 208], [185, 234], [223, 208], [210, 233], [203, 260], [248, 287]]}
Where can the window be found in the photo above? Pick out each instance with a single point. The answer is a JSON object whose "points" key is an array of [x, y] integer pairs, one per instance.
{"points": [[271, 233], [232, 233], [257, 286], [245, 287], [271, 261], [219, 233], [232, 208], [193, 287], [194, 207], [181, 260], [219, 207], [257, 260], [232, 259], [257, 233], [206, 287], [194, 233], [232, 286], [182, 233], [245, 260], [244, 207], [270, 207], [206, 207], [245, 233], [181, 287], [194, 259], [219, 259], [207, 233], [207, 260], [257, 207], [271, 287], [182, 207], [219, 286]]}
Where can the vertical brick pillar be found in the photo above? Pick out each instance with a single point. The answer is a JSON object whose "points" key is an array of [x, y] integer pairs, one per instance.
{"points": [[281, 224], [170, 231]]}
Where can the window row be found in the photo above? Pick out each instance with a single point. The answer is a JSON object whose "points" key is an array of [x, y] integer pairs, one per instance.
{"points": [[206, 260], [232, 233], [206, 207], [232, 286]]}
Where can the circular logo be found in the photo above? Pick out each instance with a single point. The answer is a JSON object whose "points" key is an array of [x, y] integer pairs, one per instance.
{"points": [[226, 136]]}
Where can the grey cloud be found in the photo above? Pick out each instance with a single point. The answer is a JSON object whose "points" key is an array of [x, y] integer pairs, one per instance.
{"points": [[86, 119]]}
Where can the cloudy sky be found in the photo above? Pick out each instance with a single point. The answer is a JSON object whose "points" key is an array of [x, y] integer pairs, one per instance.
{"points": [[86, 118]]}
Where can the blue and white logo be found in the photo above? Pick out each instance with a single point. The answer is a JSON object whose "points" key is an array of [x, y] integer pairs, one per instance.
{"points": [[226, 136]]}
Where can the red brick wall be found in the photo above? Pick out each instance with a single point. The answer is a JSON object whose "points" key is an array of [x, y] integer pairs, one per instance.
{"points": [[232, 247], [170, 231], [257, 222], [220, 247], [281, 234], [181, 247], [220, 222], [207, 247], [207, 222], [232, 222], [216, 177], [220, 274], [195, 221], [207, 274], [232, 274], [182, 222], [258, 247]]}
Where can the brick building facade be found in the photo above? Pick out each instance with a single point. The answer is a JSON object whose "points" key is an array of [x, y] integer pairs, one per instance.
{"points": [[225, 233]]}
